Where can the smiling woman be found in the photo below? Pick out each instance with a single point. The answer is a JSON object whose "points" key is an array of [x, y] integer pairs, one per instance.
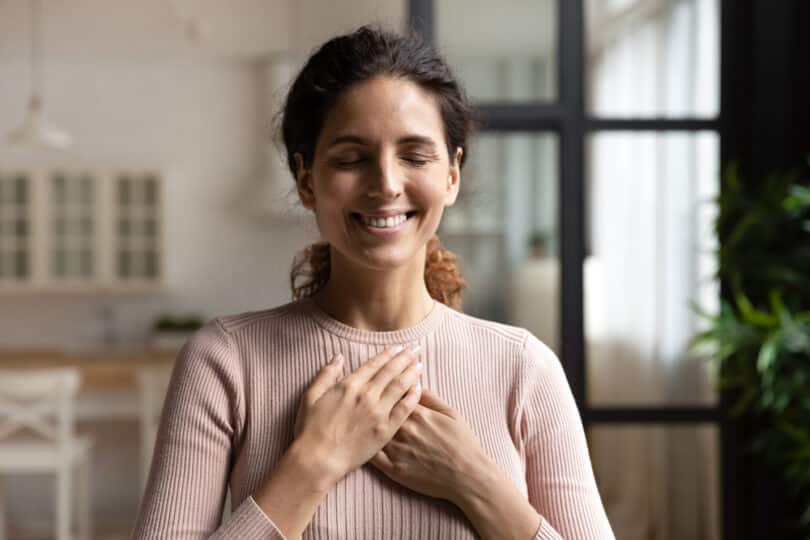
{"points": [[389, 136], [314, 412], [378, 181]]}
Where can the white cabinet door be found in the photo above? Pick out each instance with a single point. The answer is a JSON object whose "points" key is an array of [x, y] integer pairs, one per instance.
{"points": [[73, 224], [16, 217], [137, 239]]}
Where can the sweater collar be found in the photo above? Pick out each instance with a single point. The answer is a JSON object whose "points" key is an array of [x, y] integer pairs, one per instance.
{"points": [[402, 335]]}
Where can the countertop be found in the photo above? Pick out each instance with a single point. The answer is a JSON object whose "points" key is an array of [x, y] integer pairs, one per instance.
{"points": [[112, 368]]}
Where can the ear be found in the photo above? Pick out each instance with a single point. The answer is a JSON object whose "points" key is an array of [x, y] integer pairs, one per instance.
{"points": [[303, 182], [453, 178]]}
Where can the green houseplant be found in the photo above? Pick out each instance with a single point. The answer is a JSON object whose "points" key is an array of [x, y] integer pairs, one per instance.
{"points": [[169, 332], [171, 323], [759, 343]]}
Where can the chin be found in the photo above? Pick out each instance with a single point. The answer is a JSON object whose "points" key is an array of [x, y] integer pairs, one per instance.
{"points": [[383, 258], [382, 263]]}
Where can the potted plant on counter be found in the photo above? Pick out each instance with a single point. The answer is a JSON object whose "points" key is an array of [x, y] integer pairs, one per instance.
{"points": [[170, 332]]}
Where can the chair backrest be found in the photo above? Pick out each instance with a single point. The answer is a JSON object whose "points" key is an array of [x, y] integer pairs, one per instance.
{"points": [[39, 400], [152, 383]]}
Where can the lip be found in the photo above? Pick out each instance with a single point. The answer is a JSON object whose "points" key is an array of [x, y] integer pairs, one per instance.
{"points": [[379, 232], [386, 213]]}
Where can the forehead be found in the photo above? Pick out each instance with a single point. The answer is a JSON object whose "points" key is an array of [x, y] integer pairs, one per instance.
{"points": [[384, 108]]}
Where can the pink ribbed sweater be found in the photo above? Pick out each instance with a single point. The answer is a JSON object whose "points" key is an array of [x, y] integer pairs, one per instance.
{"points": [[234, 393]]}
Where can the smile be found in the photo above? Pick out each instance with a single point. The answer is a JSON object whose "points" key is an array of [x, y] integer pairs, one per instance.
{"points": [[382, 226]]}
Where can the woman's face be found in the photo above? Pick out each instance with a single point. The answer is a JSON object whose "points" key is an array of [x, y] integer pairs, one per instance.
{"points": [[381, 177]]}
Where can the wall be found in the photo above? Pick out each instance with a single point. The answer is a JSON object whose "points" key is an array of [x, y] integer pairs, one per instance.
{"points": [[130, 90]]}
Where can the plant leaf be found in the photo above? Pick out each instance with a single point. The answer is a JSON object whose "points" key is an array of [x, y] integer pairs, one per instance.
{"points": [[752, 315], [769, 352]]}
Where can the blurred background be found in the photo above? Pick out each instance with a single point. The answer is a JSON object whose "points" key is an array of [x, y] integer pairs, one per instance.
{"points": [[141, 195]]}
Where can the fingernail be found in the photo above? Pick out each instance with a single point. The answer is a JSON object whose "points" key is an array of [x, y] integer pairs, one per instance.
{"points": [[418, 386], [338, 358], [397, 349], [415, 348]]}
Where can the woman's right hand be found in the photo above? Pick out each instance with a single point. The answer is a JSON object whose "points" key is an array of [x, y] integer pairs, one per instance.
{"points": [[345, 421]]}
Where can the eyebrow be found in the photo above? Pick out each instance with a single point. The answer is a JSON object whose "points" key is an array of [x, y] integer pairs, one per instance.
{"points": [[354, 139]]}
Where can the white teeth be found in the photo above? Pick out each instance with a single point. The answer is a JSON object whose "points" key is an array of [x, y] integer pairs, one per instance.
{"points": [[384, 223]]}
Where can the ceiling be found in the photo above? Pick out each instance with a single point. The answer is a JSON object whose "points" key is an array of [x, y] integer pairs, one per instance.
{"points": [[151, 30]]}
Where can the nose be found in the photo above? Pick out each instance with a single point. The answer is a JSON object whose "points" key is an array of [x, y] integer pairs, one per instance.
{"points": [[385, 179]]}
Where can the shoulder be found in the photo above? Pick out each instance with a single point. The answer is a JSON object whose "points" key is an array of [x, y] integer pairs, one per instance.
{"points": [[536, 360], [233, 323], [218, 341], [469, 326], [522, 340], [537, 354]]}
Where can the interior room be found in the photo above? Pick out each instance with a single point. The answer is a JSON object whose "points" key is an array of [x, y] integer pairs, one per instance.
{"points": [[145, 191]]}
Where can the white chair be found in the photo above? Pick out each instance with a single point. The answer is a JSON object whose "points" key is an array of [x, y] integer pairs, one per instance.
{"points": [[43, 400], [153, 382]]}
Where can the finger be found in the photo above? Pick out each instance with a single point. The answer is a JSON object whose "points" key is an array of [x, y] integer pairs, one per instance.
{"points": [[405, 406], [366, 371], [432, 401], [401, 436], [393, 369], [382, 462], [327, 377], [401, 384]]}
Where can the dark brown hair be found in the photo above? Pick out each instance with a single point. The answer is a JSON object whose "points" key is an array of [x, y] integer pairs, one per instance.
{"points": [[339, 63]]}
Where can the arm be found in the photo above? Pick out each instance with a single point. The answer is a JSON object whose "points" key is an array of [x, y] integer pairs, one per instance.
{"points": [[559, 475], [496, 508], [200, 420], [292, 492], [563, 500]]}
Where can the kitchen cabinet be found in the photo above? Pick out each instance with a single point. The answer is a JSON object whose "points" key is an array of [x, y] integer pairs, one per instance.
{"points": [[80, 229]]}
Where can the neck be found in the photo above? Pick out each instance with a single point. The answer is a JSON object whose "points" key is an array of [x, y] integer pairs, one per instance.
{"points": [[376, 300]]}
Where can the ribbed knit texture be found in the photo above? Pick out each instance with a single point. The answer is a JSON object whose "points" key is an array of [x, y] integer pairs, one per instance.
{"points": [[234, 394]]}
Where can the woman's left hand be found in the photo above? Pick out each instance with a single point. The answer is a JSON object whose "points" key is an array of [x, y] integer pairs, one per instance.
{"points": [[434, 452]]}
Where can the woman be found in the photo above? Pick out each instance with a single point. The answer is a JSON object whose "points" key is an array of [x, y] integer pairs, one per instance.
{"points": [[313, 412]]}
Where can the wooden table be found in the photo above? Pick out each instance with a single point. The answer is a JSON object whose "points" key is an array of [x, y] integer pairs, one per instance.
{"points": [[108, 388]]}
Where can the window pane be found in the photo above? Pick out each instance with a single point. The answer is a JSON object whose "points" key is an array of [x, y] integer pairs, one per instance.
{"points": [[651, 252], [151, 264], [59, 263], [59, 189], [653, 58], [501, 52], [86, 263], [504, 229], [124, 267], [21, 190], [124, 185], [151, 191], [21, 266], [659, 481], [87, 191]]}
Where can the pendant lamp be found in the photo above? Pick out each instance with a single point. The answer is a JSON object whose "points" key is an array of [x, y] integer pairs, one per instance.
{"points": [[35, 131]]}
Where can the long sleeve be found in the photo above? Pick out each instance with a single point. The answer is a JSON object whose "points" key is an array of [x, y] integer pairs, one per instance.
{"points": [[559, 475], [200, 421]]}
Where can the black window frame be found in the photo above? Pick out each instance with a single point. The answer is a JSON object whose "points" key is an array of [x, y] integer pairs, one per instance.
{"points": [[570, 120]]}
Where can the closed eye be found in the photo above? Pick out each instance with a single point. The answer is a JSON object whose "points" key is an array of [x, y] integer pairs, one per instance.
{"points": [[349, 164], [416, 162]]}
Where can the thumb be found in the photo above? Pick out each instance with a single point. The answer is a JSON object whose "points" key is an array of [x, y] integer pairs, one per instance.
{"points": [[432, 401], [328, 376]]}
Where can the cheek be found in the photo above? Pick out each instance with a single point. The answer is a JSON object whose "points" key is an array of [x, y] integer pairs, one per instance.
{"points": [[333, 193], [432, 195]]}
